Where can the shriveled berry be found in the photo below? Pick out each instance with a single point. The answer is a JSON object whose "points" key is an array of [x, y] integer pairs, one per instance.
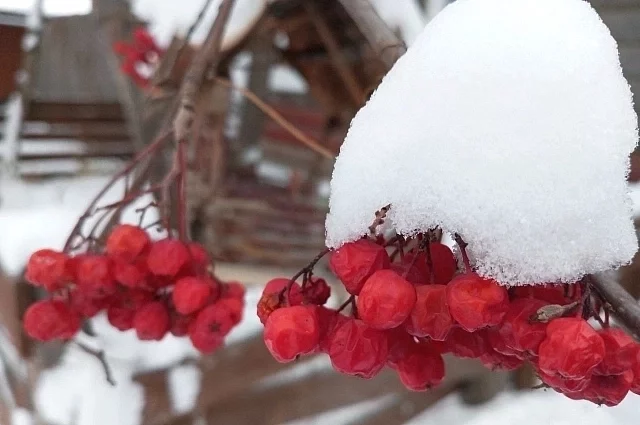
{"points": [[357, 349], [635, 386], [94, 275], [354, 262], [317, 291], [498, 343], [443, 263], [609, 390], [518, 332], [399, 344], [421, 368], [152, 321], [572, 348], [130, 274], [191, 294], [291, 332], [167, 256], [620, 353], [127, 242], [475, 302], [46, 320], [467, 344], [430, 315], [49, 269], [386, 300], [413, 267], [551, 293], [563, 385], [273, 297]]}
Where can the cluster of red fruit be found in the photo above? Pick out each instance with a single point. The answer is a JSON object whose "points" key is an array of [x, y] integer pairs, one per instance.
{"points": [[154, 287], [142, 50], [411, 307]]}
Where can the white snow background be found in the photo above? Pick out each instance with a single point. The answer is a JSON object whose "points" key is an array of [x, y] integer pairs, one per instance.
{"points": [[509, 122], [34, 216]]}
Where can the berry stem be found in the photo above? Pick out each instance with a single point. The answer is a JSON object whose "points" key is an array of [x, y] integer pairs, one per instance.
{"points": [[304, 271], [346, 303], [463, 251]]}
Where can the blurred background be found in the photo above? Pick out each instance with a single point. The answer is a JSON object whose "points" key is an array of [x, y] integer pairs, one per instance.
{"points": [[72, 113]]}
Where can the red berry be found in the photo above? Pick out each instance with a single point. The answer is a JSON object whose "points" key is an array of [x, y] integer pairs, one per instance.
{"points": [[635, 387], [191, 294], [563, 385], [272, 300], [467, 344], [167, 257], [131, 275], [48, 268], [152, 321], [517, 332], [609, 390], [127, 242], [328, 321], [497, 343], [413, 268], [399, 344], [234, 307], [551, 293], [497, 361], [475, 302], [420, 369], [357, 349], [232, 290], [386, 300], [120, 317], [209, 328], [291, 332], [620, 354], [443, 262], [317, 291], [354, 262], [572, 349], [46, 320], [199, 258], [180, 324], [430, 315], [85, 304], [94, 275]]}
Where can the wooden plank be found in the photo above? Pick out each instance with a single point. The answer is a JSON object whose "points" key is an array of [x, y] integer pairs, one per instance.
{"points": [[630, 59], [73, 112], [107, 130], [623, 23]]}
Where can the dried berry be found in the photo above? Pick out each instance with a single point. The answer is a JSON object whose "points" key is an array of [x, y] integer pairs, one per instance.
{"points": [[49, 269], [317, 291], [620, 354], [357, 349], [443, 263], [291, 332], [609, 390], [430, 315], [51, 319], [467, 344], [475, 302], [386, 300], [127, 242], [354, 262], [518, 333], [273, 297], [572, 349]]}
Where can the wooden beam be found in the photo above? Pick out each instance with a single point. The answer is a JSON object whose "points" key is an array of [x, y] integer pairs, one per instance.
{"points": [[74, 112]]}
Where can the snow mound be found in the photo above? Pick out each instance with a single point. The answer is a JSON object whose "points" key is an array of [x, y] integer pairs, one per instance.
{"points": [[509, 122]]}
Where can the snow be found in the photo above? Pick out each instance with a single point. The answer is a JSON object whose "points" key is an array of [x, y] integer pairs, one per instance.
{"points": [[21, 416], [184, 387], [516, 137]]}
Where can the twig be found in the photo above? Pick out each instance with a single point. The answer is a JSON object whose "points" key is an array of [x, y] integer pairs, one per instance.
{"points": [[192, 28], [101, 358], [304, 271], [313, 144], [381, 214], [207, 58], [463, 251], [624, 306]]}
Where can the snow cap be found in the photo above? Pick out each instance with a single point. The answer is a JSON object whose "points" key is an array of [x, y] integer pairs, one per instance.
{"points": [[510, 123]]}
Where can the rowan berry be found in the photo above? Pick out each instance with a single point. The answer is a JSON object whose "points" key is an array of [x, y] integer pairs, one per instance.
{"points": [[152, 321], [49, 269], [518, 333], [291, 332], [94, 275], [127, 242], [386, 300], [357, 349], [317, 291], [46, 320], [620, 354], [354, 262], [443, 263], [430, 315], [273, 297], [475, 302], [190, 294], [609, 390], [421, 368], [167, 257]]}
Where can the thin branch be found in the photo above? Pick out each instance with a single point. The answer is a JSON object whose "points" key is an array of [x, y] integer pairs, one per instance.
{"points": [[624, 306], [192, 28], [101, 358], [314, 145]]}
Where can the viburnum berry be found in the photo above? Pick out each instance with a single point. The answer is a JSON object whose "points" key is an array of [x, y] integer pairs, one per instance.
{"points": [[494, 360], [273, 297], [94, 274], [49, 269], [357, 349], [443, 263], [328, 321], [572, 348], [398, 345], [232, 290], [475, 302], [430, 315], [413, 267], [518, 332], [620, 353], [497, 343], [167, 257], [180, 324], [563, 385], [190, 294], [127, 242], [421, 368], [354, 262], [609, 390], [551, 293], [291, 332], [386, 300], [199, 257], [317, 291], [152, 321], [467, 344], [130, 274], [46, 320], [234, 308], [85, 304]]}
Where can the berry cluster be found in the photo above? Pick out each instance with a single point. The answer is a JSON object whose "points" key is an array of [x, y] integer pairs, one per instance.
{"points": [[410, 304], [154, 287], [142, 50]]}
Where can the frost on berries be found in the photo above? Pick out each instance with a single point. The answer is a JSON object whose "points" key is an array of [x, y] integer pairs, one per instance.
{"points": [[152, 288]]}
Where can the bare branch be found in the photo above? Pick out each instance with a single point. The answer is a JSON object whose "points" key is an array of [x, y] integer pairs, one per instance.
{"points": [[101, 358], [625, 307]]}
